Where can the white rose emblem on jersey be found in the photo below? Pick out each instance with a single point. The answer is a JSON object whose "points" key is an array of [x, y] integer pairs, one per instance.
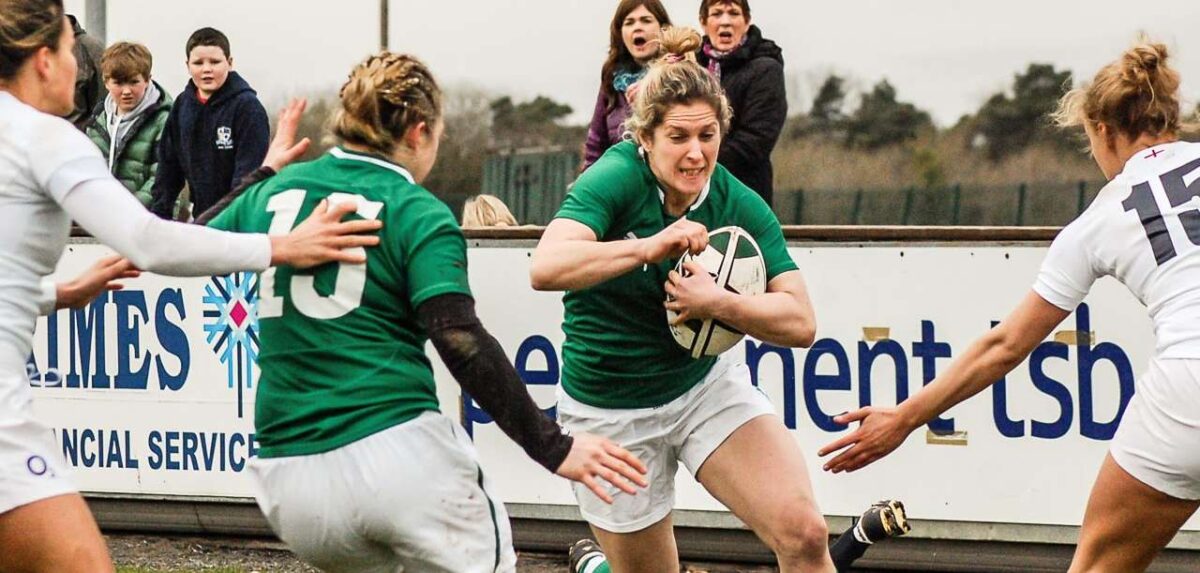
{"points": [[224, 137]]}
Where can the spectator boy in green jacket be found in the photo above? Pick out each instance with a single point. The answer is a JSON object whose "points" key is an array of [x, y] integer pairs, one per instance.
{"points": [[129, 124]]}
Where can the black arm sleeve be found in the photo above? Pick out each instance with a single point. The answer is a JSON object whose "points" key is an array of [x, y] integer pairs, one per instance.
{"points": [[261, 174], [480, 366]]}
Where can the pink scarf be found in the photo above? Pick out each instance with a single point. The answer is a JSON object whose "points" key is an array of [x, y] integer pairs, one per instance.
{"points": [[715, 56]]}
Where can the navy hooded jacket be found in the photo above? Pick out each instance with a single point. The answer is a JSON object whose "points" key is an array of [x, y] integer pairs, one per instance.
{"points": [[210, 146]]}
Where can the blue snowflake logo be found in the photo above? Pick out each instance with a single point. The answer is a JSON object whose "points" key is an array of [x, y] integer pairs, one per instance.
{"points": [[231, 326]]}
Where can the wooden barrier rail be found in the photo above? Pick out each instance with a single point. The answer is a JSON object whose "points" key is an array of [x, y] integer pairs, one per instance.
{"points": [[832, 233], [844, 233]]}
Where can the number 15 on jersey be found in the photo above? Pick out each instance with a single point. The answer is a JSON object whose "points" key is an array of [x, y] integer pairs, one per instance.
{"points": [[1181, 185]]}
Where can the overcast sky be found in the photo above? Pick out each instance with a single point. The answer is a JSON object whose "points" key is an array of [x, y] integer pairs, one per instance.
{"points": [[946, 56]]}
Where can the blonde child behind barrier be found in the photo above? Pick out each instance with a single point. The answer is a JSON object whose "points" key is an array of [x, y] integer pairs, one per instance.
{"points": [[483, 211]]}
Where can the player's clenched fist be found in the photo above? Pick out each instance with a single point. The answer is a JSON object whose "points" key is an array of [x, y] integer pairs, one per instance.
{"points": [[682, 236], [593, 457]]}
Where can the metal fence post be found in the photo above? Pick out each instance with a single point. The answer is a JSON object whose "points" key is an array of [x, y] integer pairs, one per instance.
{"points": [[1082, 196], [383, 25], [957, 201], [857, 207], [908, 201], [1021, 192], [798, 210], [96, 20]]}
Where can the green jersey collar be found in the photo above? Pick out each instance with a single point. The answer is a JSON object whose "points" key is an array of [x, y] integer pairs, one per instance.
{"points": [[662, 196], [348, 155]]}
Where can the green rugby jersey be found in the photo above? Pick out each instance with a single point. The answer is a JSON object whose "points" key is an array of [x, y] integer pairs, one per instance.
{"points": [[619, 352], [342, 355]]}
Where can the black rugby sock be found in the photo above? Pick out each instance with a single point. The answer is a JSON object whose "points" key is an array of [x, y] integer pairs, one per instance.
{"points": [[847, 549]]}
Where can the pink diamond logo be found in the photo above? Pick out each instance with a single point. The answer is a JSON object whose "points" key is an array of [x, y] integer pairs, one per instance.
{"points": [[238, 314]]}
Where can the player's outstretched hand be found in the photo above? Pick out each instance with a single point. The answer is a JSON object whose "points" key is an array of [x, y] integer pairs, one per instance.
{"points": [[593, 458], [323, 237], [695, 296], [682, 236], [880, 431], [101, 276], [284, 148]]}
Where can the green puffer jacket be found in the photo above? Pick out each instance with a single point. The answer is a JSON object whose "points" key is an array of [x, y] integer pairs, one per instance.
{"points": [[137, 157]]}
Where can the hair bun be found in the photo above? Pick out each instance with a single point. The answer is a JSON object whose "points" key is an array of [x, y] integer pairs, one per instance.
{"points": [[1135, 95], [679, 43], [1146, 57], [384, 96]]}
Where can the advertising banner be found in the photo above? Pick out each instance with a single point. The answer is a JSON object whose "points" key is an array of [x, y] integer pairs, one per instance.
{"points": [[150, 390]]}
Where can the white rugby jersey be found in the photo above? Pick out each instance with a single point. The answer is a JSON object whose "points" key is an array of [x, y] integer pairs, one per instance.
{"points": [[1144, 230], [38, 153]]}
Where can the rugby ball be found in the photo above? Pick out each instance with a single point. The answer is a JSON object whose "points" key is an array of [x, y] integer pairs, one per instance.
{"points": [[735, 263]]}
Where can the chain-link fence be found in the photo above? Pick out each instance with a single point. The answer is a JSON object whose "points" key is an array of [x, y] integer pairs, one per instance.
{"points": [[533, 183], [1025, 204]]}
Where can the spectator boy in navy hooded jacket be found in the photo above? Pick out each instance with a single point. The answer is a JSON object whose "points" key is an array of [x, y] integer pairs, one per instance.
{"points": [[217, 132]]}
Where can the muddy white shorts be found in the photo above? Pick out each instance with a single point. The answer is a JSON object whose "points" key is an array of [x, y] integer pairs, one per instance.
{"points": [[1159, 439], [411, 498], [687, 429], [31, 465]]}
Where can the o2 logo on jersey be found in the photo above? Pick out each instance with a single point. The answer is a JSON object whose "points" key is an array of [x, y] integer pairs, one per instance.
{"points": [[37, 466], [231, 327]]}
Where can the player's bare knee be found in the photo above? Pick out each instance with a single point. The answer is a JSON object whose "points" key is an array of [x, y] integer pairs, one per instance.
{"points": [[799, 534]]}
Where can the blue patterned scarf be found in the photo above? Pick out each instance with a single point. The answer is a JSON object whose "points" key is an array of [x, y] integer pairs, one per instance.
{"points": [[623, 79]]}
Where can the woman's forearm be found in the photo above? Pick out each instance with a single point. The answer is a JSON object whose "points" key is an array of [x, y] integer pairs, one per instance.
{"points": [[578, 264], [987, 360], [774, 317]]}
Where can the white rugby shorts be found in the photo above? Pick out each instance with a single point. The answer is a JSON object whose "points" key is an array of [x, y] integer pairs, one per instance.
{"points": [[687, 429], [1158, 441], [409, 498], [31, 465]]}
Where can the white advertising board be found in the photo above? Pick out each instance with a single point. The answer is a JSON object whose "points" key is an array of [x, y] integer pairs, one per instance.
{"points": [[151, 389]]}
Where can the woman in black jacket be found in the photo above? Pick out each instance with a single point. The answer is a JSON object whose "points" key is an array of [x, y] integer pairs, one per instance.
{"points": [[750, 68]]}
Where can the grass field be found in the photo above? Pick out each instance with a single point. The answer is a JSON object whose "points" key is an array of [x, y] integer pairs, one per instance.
{"points": [[215, 570], [158, 554]]}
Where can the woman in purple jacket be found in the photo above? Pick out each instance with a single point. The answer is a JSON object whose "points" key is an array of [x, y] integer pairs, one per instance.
{"points": [[633, 41]]}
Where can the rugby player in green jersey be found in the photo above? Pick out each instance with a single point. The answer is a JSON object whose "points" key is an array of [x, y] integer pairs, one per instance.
{"points": [[357, 470], [611, 248]]}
